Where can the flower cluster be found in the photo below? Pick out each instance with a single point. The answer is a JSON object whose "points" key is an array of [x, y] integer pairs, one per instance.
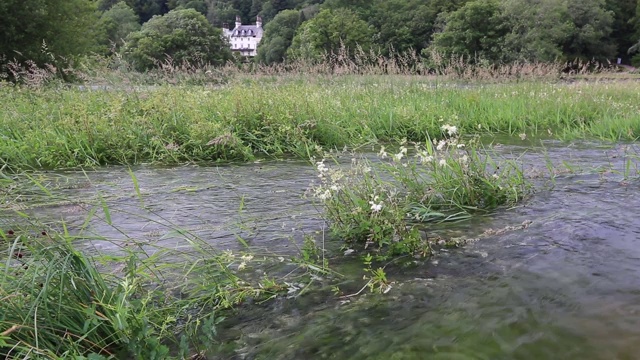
{"points": [[449, 130], [379, 204]]}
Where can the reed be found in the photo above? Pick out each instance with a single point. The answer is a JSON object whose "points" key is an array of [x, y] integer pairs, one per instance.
{"points": [[69, 127]]}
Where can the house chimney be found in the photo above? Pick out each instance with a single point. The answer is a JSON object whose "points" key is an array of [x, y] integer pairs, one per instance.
{"points": [[238, 21], [258, 21]]}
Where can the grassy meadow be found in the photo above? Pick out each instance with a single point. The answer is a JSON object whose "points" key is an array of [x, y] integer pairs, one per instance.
{"points": [[60, 127], [139, 305]]}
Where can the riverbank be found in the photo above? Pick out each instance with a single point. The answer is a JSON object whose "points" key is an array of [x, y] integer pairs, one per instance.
{"points": [[47, 128]]}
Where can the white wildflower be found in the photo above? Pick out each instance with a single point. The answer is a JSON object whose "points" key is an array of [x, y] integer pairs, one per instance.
{"points": [[375, 207], [523, 136], [335, 187], [496, 176], [441, 145], [443, 162], [382, 153], [460, 146], [401, 154], [449, 129], [246, 258], [464, 159], [321, 167], [424, 157], [324, 195], [242, 265], [336, 176]]}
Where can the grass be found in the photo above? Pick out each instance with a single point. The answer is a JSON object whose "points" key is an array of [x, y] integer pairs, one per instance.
{"points": [[140, 302], [383, 207], [66, 127], [57, 302]]}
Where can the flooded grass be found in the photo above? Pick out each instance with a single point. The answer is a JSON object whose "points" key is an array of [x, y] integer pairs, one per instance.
{"points": [[62, 127], [386, 215], [151, 299], [144, 303]]}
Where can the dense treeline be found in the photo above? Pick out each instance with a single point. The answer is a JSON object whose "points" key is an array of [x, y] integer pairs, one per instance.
{"points": [[488, 31]]}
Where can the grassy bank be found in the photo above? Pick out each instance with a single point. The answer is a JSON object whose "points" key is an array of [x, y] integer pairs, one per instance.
{"points": [[66, 127]]}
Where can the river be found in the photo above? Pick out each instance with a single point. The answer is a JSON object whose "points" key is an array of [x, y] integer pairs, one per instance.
{"points": [[565, 287]]}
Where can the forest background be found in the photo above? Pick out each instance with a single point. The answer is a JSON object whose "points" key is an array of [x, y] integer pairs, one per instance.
{"points": [[147, 32]]}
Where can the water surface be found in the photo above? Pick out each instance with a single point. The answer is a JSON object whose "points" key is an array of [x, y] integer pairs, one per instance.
{"points": [[566, 287]]}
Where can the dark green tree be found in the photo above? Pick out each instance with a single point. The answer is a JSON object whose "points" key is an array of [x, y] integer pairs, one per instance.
{"points": [[256, 7], [35, 29], [146, 9], [475, 31], [116, 23], [180, 35], [591, 34], [623, 27], [331, 32], [537, 29], [104, 5], [198, 5], [219, 13], [277, 37], [402, 25]]}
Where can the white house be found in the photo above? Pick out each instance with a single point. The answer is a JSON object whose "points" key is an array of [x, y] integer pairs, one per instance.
{"points": [[244, 38]]}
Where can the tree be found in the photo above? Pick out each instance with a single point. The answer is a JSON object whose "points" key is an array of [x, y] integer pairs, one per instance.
{"points": [[116, 23], [221, 13], [592, 26], [256, 7], [63, 28], [623, 26], [146, 9], [104, 5], [329, 32], [277, 37], [181, 35], [402, 25], [537, 29], [475, 31], [198, 5]]}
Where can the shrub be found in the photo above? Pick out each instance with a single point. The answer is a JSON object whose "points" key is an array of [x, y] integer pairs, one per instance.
{"points": [[180, 36]]}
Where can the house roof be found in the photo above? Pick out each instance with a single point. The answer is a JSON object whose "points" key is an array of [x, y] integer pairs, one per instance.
{"points": [[246, 31]]}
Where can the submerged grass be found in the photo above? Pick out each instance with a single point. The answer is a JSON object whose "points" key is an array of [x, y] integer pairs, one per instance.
{"points": [[67, 127], [140, 301]]}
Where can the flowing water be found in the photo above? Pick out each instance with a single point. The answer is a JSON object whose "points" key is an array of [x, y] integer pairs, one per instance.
{"points": [[565, 287]]}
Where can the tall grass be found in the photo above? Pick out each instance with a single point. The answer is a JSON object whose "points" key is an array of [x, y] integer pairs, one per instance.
{"points": [[58, 302], [53, 128]]}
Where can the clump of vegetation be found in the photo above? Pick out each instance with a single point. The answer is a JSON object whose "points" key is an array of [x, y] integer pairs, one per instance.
{"points": [[181, 36], [58, 302], [385, 206]]}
